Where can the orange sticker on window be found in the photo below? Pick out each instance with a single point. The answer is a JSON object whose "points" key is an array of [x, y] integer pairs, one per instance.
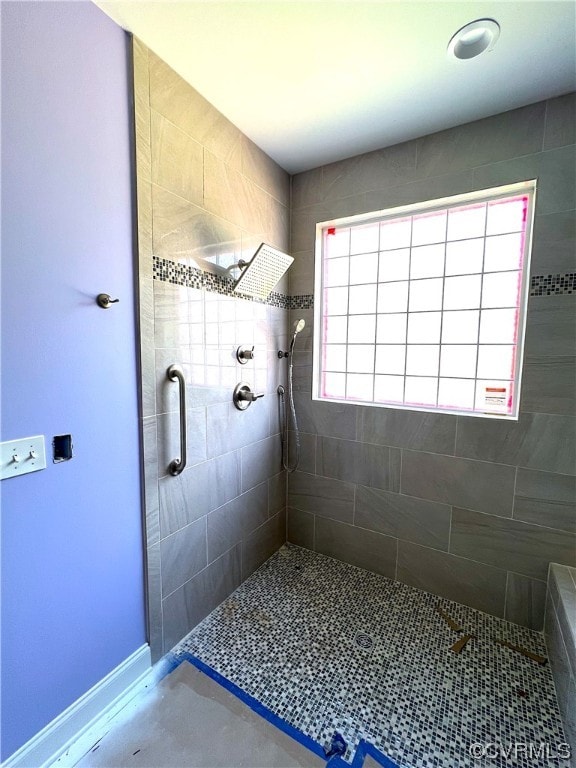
{"points": [[495, 398]]}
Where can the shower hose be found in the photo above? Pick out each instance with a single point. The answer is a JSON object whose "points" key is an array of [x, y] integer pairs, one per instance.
{"points": [[284, 417]]}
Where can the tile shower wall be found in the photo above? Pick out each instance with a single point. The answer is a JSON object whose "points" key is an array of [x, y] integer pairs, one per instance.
{"points": [[207, 196], [467, 508], [560, 631]]}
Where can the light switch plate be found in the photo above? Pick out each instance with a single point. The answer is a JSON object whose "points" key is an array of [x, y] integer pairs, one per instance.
{"points": [[18, 457]]}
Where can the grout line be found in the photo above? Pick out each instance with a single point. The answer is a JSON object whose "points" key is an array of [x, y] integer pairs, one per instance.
{"points": [[314, 532], [463, 458], [563, 416], [399, 540], [185, 526], [443, 503], [315, 453], [514, 494], [456, 434], [208, 565], [241, 559], [516, 522], [545, 126]]}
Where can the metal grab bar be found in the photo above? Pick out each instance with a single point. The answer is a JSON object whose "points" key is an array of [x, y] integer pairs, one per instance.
{"points": [[175, 373]]}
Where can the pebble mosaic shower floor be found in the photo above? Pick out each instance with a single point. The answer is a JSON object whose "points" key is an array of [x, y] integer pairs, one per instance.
{"points": [[330, 647]]}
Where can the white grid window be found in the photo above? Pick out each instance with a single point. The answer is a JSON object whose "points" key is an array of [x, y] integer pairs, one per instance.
{"points": [[423, 307]]}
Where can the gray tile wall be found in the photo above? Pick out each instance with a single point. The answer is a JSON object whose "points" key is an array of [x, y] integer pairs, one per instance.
{"points": [[560, 628], [206, 194], [463, 507]]}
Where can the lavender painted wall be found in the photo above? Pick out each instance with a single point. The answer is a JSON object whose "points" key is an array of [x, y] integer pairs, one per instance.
{"points": [[72, 571]]}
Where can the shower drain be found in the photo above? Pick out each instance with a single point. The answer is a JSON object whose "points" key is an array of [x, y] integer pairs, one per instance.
{"points": [[364, 641]]}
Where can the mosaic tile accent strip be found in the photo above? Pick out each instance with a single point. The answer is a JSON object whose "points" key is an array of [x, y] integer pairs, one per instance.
{"points": [[180, 274], [552, 285], [287, 636], [302, 301]]}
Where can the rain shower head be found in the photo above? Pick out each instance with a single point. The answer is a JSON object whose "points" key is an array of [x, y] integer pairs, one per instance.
{"points": [[262, 272]]}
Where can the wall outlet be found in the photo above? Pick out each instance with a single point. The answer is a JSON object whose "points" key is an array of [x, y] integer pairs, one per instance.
{"points": [[18, 457]]}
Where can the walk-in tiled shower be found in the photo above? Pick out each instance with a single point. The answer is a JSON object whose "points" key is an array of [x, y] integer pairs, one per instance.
{"points": [[431, 506]]}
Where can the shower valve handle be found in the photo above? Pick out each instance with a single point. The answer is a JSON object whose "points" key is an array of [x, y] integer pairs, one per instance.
{"points": [[243, 396], [250, 396]]}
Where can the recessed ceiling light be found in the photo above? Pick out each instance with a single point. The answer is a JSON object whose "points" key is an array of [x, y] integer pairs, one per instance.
{"points": [[473, 39]]}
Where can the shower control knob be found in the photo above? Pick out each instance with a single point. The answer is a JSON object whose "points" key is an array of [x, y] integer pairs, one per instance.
{"points": [[243, 396], [244, 353]]}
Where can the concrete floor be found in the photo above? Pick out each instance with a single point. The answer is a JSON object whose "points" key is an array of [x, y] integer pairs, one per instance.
{"points": [[189, 721]]}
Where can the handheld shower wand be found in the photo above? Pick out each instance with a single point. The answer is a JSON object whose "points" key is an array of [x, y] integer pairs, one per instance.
{"points": [[298, 326]]}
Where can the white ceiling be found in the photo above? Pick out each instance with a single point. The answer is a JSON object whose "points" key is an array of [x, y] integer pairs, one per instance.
{"points": [[312, 81]]}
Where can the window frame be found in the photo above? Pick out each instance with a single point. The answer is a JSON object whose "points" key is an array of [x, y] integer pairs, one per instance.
{"points": [[527, 188]]}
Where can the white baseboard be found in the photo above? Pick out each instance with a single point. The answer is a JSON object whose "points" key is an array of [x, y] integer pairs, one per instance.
{"points": [[70, 735]]}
